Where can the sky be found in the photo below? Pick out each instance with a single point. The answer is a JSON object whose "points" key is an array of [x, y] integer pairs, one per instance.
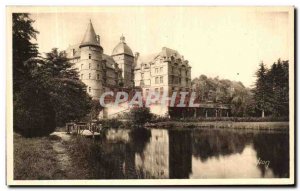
{"points": [[226, 42]]}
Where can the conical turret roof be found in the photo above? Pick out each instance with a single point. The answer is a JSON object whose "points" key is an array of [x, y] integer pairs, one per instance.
{"points": [[90, 37]]}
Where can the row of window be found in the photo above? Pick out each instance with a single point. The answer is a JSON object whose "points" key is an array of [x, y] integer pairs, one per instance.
{"points": [[98, 66], [90, 76], [159, 80], [161, 90], [177, 80], [173, 70], [160, 70]]}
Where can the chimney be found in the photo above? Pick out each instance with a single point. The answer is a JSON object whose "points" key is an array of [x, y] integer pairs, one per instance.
{"points": [[136, 55]]}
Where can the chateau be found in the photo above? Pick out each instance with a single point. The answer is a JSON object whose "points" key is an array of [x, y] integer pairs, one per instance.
{"points": [[168, 71]]}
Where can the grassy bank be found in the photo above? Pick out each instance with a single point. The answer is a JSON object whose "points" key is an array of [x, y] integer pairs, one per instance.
{"points": [[35, 159], [276, 126], [222, 119]]}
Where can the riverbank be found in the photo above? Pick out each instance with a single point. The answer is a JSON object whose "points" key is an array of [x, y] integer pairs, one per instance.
{"points": [[276, 126], [42, 158], [35, 158]]}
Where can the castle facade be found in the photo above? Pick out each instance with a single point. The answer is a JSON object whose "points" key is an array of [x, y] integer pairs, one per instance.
{"points": [[167, 71]]}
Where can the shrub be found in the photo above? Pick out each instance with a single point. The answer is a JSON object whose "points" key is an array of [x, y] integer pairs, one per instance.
{"points": [[111, 124], [140, 115], [33, 113]]}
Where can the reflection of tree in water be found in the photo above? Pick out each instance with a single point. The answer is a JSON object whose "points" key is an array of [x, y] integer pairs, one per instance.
{"points": [[215, 143], [273, 148], [139, 139], [117, 160], [180, 149]]}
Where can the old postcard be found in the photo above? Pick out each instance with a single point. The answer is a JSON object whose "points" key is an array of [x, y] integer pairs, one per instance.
{"points": [[150, 96]]}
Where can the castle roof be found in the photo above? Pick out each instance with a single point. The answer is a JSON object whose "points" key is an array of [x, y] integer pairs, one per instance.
{"points": [[90, 37], [122, 48], [168, 52]]}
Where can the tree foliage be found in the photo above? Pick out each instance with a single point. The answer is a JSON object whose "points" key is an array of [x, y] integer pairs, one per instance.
{"points": [[140, 115], [215, 90], [33, 113], [68, 94], [271, 92], [47, 91]]}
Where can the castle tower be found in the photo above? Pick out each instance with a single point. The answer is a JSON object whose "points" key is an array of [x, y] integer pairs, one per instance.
{"points": [[123, 56], [90, 68]]}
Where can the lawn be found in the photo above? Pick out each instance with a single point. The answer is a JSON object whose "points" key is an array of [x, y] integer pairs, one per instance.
{"points": [[35, 159]]}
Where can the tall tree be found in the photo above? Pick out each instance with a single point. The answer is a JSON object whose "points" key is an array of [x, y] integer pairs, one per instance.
{"points": [[23, 48], [261, 91], [47, 91], [277, 78], [67, 92], [33, 113]]}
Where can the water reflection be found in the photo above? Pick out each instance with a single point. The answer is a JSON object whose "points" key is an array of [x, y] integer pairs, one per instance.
{"points": [[202, 153]]}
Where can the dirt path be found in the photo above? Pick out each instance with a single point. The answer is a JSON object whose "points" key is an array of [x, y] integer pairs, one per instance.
{"points": [[62, 154]]}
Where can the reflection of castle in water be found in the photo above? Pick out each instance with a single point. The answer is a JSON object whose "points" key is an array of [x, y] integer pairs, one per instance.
{"points": [[166, 157], [200, 154]]}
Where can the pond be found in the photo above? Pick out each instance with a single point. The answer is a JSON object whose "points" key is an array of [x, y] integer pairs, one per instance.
{"points": [[194, 154]]}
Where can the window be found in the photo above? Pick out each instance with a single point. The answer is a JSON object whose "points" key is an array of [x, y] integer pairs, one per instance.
{"points": [[161, 69], [156, 90], [90, 89], [156, 70], [161, 80], [156, 80], [89, 75], [73, 51], [161, 90], [81, 66], [98, 76], [89, 65], [81, 76], [90, 56], [98, 66], [142, 75]]}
